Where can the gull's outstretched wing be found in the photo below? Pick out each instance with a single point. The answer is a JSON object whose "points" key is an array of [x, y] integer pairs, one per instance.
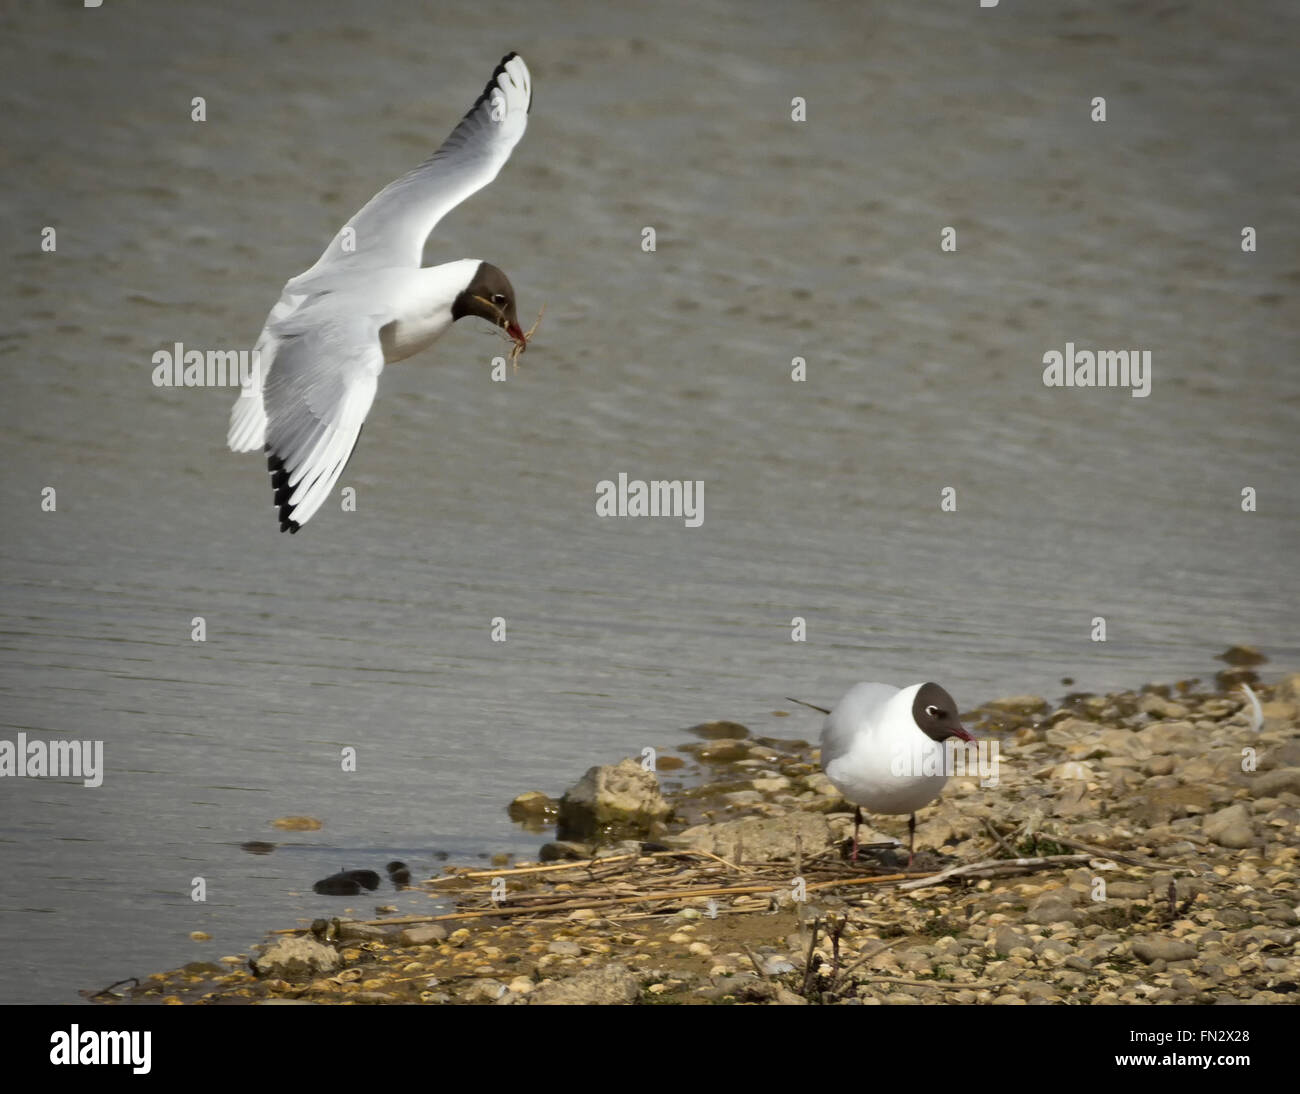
{"points": [[391, 228], [316, 398]]}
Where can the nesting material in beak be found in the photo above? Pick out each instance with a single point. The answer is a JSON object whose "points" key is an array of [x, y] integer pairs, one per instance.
{"points": [[522, 337]]}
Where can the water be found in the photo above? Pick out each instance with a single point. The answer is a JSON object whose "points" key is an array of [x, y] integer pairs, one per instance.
{"points": [[775, 239]]}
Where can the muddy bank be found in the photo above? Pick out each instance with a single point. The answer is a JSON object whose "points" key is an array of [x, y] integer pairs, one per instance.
{"points": [[1138, 847]]}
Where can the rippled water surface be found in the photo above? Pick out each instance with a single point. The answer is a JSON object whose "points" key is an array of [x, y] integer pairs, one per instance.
{"points": [[776, 239]]}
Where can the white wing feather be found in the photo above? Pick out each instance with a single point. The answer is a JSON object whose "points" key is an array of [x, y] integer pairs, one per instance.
{"points": [[316, 398], [391, 228]]}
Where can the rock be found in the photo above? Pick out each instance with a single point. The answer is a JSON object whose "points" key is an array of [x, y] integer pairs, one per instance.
{"points": [[1159, 765], [347, 883], [1288, 688], [1272, 783], [764, 839], [712, 731], [1069, 730], [820, 785], [423, 936], [1159, 948], [1164, 737], [560, 850], [1241, 655], [297, 960], [1054, 906], [1230, 827], [607, 985], [534, 807], [1018, 704], [565, 948], [1007, 939], [771, 784], [1160, 805], [485, 990], [725, 750], [1159, 707], [613, 802]]}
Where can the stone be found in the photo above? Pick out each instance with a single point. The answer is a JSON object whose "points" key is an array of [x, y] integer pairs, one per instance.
{"points": [[485, 990], [560, 850], [1164, 737], [1242, 655], [607, 985], [297, 960], [1288, 688], [1230, 827], [1161, 805], [1007, 939], [1159, 948], [618, 801], [764, 839], [1018, 704], [1159, 707], [423, 936], [1053, 906], [722, 751], [1069, 730], [712, 731], [1272, 783], [534, 807]]}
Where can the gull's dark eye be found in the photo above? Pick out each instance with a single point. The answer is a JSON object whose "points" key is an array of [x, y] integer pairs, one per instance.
{"points": [[499, 300], [935, 712]]}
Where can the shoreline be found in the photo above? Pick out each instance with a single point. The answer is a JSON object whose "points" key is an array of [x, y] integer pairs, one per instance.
{"points": [[1137, 847]]}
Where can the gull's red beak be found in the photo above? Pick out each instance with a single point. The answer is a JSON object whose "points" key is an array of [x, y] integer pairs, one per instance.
{"points": [[961, 732], [516, 332]]}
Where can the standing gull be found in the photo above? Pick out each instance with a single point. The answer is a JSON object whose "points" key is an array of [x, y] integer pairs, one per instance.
{"points": [[368, 302], [882, 748]]}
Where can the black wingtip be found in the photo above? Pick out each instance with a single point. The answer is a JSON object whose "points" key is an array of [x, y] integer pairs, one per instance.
{"points": [[492, 82], [280, 486]]}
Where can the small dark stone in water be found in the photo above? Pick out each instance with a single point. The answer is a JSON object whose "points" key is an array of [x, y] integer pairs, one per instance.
{"points": [[1241, 655], [399, 874], [337, 885], [347, 883], [648, 848], [712, 731], [257, 847], [1067, 681], [442, 856]]}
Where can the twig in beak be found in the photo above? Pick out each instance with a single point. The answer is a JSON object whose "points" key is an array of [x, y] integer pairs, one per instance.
{"points": [[519, 347]]}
